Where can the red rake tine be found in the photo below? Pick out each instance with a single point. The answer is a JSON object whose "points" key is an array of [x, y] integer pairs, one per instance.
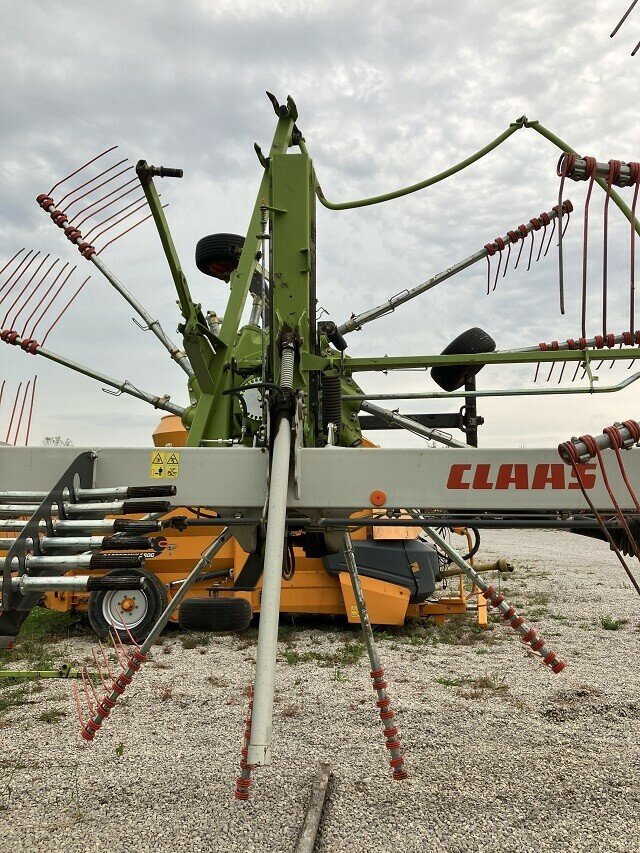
{"points": [[565, 164], [13, 304], [31, 295], [108, 204], [612, 177], [164, 206], [11, 260], [62, 313], [33, 397], [141, 201], [80, 168], [623, 19], [13, 411], [42, 298], [98, 186], [24, 401], [52, 300], [105, 658], [8, 281], [635, 177], [76, 696]]}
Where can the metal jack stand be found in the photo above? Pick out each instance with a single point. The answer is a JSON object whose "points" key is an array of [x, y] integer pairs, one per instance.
{"points": [[377, 672]]}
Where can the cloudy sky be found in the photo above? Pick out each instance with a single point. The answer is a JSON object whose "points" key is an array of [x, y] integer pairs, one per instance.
{"points": [[388, 94]]}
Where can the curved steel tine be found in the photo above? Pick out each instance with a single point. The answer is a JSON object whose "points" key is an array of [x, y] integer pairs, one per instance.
{"points": [[76, 696], [553, 364], [33, 397], [53, 299], [141, 201], [61, 314], [43, 297], [103, 680], [33, 293], [105, 658], [488, 274], [97, 187], [623, 19], [495, 281], [11, 260], [506, 263], [80, 168], [88, 183], [108, 204], [531, 250], [35, 255], [553, 231], [19, 296], [564, 364], [544, 235], [578, 366], [100, 251], [535, 378], [85, 681], [24, 402], [13, 412], [515, 266]]}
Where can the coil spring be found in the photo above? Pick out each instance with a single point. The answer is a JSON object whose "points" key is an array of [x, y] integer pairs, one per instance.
{"points": [[286, 368], [331, 400]]}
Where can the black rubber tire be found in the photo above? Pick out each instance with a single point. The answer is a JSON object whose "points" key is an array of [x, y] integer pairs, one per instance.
{"points": [[215, 614], [452, 377], [155, 593], [218, 254]]}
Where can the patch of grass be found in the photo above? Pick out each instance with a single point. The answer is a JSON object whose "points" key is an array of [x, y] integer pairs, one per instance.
{"points": [[456, 631], [14, 697], [611, 624], [41, 630], [452, 682], [346, 655], [53, 715], [192, 641], [538, 599], [476, 688]]}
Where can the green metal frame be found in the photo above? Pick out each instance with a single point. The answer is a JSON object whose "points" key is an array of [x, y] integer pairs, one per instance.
{"points": [[230, 361]]}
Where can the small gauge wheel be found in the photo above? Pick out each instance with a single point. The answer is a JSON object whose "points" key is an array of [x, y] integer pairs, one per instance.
{"points": [[128, 611]]}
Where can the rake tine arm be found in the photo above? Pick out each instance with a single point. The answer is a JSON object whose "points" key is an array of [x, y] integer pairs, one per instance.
{"points": [[124, 386]]}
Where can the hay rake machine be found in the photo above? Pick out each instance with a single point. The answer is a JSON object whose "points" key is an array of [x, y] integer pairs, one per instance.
{"points": [[272, 439]]}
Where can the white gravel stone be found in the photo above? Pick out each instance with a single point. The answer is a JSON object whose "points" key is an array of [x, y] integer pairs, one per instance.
{"points": [[548, 764]]}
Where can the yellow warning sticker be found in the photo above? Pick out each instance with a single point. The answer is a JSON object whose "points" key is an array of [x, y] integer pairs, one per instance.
{"points": [[165, 465], [354, 612]]}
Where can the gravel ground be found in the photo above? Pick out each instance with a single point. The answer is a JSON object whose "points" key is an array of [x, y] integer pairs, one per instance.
{"points": [[503, 755]]}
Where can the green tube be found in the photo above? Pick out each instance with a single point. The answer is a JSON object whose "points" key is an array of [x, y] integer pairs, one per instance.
{"points": [[428, 182], [364, 202]]}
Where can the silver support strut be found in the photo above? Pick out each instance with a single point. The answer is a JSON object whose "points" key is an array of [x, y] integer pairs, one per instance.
{"points": [[259, 749], [358, 321], [104, 707], [411, 425], [123, 386], [261, 719], [153, 325], [377, 673]]}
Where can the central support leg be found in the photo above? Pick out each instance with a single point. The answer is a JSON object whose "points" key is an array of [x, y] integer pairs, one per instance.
{"points": [[377, 672], [259, 752]]}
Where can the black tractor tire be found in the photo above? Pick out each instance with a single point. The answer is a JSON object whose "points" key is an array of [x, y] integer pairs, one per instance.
{"points": [[218, 254], [153, 597], [215, 614], [451, 377]]}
